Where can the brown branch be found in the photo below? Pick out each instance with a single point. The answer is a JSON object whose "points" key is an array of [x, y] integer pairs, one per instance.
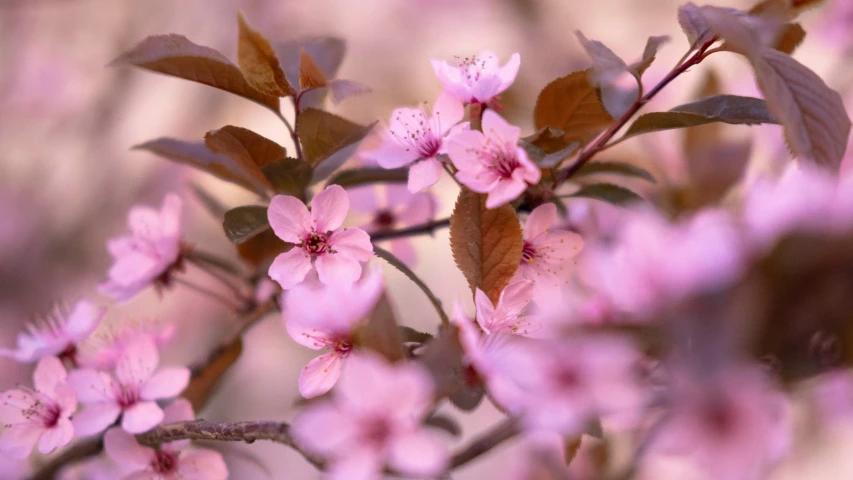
{"points": [[78, 451], [486, 442], [428, 227]]}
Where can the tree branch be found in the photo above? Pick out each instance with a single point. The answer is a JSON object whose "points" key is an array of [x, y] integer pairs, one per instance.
{"points": [[486, 442], [428, 227], [78, 451]]}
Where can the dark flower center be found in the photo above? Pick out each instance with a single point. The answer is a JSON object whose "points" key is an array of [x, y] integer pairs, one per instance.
{"points": [[164, 462], [316, 243], [384, 219], [377, 431], [528, 252], [127, 397]]}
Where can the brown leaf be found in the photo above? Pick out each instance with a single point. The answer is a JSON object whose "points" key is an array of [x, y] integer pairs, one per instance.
{"points": [[247, 149], [381, 333], [204, 381], [289, 176], [454, 379], [310, 75], [176, 56], [572, 104], [649, 54], [258, 61], [792, 36], [199, 156], [486, 243], [261, 249], [326, 52], [322, 134], [242, 223], [693, 24], [549, 140]]}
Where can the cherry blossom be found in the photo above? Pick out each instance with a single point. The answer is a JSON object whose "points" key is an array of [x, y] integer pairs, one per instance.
{"points": [[42, 415], [131, 392], [319, 240], [546, 252], [57, 334], [326, 319], [477, 79], [509, 315], [394, 208], [172, 461], [374, 417], [415, 137], [492, 162], [104, 348], [149, 253]]}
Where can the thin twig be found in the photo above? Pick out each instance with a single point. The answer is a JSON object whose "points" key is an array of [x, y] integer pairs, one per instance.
{"points": [[208, 293], [293, 134], [486, 442], [224, 280], [422, 228], [199, 256]]}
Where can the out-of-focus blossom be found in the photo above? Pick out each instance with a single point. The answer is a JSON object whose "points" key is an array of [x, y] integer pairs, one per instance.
{"points": [[509, 315], [492, 162], [319, 240], [105, 347], [99, 467], [836, 24], [477, 79], [546, 252], [326, 319], [42, 415], [732, 423], [132, 392], [373, 419], [396, 207], [57, 334], [149, 253], [173, 460], [832, 396], [265, 290], [416, 138]]}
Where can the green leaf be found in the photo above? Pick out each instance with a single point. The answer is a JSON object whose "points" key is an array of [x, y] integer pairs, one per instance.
{"points": [[411, 335], [396, 263], [243, 223], [731, 109], [616, 168], [289, 176], [367, 175], [607, 192]]}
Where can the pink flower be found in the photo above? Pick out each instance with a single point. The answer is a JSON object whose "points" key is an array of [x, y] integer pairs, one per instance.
{"points": [[58, 334], [148, 254], [492, 162], [172, 461], [42, 415], [132, 392], [396, 208], [326, 319], [318, 238], [509, 316], [413, 136], [477, 79], [546, 252], [103, 350], [374, 418]]}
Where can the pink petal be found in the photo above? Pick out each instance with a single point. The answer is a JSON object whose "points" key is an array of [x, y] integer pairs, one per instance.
{"points": [[486, 89], [509, 71], [123, 449], [49, 373], [353, 243], [143, 221], [179, 410], [91, 385], [289, 268], [527, 171], [563, 244], [422, 453], [392, 153], [411, 388], [447, 111], [515, 297], [303, 333], [202, 465], [14, 406], [138, 362], [323, 429], [320, 375], [424, 174], [403, 249], [83, 320], [95, 418], [18, 441], [141, 417], [170, 216], [166, 383], [540, 220], [363, 199], [364, 386], [494, 126], [289, 218], [504, 192], [485, 310], [337, 269], [479, 180], [360, 463], [144, 475], [329, 208], [420, 209], [463, 149], [58, 436], [396, 195], [65, 398]]}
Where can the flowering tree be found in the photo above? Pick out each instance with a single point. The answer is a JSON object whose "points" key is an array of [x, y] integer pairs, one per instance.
{"points": [[686, 325]]}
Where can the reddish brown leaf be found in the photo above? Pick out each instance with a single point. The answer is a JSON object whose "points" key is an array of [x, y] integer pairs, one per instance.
{"points": [[204, 381], [572, 104], [310, 75], [259, 63], [381, 333], [322, 134], [261, 249], [176, 56], [486, 243], [247, 149], [791, 38]]}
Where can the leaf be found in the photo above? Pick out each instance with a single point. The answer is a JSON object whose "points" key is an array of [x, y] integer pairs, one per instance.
{"points": [[368, 175], [731, 109], [445, 423], [606, 65], [175, 55], [548, 139], [344, 89], [616, 168], [310, 75], [553, 160], [261, 249], [258, 62], [693, 24], [396, 263], [607, 192], [243, 223], [199, 156], [204, 381], [411, 335], [244, 146], [326, 52], [571, 445], [649, 54], [486, 243], [453, 379], [289, 176], [213, 206], [322, 134], [381, 333], [572, 104], [790, 38]]}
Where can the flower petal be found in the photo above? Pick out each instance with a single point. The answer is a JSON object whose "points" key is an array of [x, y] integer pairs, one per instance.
{"points": [[420, 209], [138, 362], [18, 441], [421, 453], [289, 218], [179, 410], [48, 374], [505, 191], [485, 310], [494, 126], [353, 243], [57, 436], [486, 89], [338, 269], [361, 463], [320, 375], [324, 429], [123, 449], [289, 268], [91, 385], [141, 417], [202, 465], [363, 199], [329, 208], [447, 111], [166, 383], [95, 418], [463, 149], [540, 220], [509, 71], [424, 174], [83, 320], [302, 332]]}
